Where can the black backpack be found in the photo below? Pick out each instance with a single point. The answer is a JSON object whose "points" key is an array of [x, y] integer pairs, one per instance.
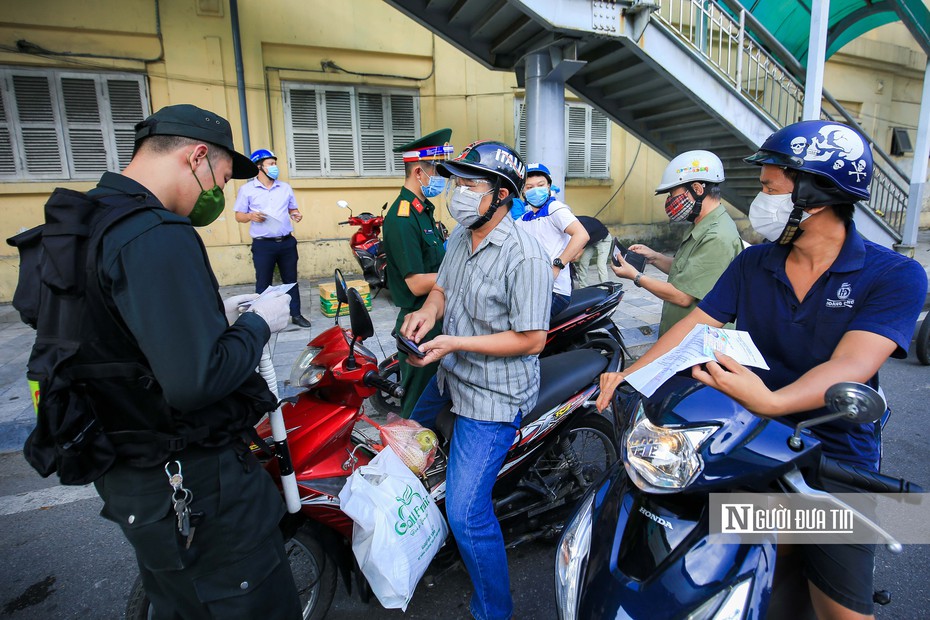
{"points": [[57, 267]]}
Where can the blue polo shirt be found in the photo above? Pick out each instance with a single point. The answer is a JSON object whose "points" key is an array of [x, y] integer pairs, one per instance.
{"points": [[868, 288]]}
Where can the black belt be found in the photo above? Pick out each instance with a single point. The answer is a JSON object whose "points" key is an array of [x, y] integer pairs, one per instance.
{"points": [[275, 239]]}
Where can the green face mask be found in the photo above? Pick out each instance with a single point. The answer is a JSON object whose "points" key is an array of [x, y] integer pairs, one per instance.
{"points": [[209, 204]]}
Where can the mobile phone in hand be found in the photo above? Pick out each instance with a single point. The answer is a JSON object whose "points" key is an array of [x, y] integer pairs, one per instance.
{"points": [[409, 346]]}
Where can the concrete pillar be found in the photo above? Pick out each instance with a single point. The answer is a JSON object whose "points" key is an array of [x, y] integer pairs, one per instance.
{"points": [[545, 117], [915, 196], [816, 55]]}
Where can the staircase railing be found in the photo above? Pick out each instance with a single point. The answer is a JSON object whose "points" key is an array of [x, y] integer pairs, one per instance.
{"points": [[754, 72]]}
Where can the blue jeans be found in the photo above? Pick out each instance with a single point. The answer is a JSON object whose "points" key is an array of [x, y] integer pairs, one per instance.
{"points": [[559, 303], [475, 457]]}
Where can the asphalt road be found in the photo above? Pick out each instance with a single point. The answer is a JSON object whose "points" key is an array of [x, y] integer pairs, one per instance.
{"points": [[63, 561]]}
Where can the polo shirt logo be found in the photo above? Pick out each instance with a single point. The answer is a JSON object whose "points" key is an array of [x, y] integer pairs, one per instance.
{"points": [[842, 300]]}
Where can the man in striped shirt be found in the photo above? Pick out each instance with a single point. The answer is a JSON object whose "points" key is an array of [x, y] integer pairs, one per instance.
{"points": [[493, 294]]}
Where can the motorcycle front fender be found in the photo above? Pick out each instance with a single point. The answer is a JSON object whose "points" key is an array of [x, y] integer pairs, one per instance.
{"points": [[651, 557]]}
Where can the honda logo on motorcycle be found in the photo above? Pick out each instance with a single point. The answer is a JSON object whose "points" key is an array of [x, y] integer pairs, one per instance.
{"points": [[663, 522]]}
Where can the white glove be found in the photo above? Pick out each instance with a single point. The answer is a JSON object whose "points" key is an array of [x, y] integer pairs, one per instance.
{"points": [[275, 308], [231, 305]]}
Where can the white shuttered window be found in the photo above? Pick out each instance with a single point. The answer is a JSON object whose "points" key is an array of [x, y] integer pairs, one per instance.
{"points": [[67, 125], [347, 131], [587, 140]]}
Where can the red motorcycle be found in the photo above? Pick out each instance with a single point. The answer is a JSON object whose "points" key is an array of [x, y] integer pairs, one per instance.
{"points": [[562, 447], [366, 245]]}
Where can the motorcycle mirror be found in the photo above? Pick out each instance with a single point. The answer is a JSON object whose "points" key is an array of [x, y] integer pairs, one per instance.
{"points": [[341, 295], [342, 204], [857, 402], [359, 317]]}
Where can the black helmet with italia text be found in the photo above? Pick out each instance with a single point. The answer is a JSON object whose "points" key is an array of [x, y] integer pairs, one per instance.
{"points": [[488, 160]]}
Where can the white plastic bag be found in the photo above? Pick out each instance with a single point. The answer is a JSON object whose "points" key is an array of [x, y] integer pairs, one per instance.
{"points": [[398, 528]]}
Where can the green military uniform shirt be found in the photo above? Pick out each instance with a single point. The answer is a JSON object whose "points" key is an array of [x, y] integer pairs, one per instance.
{"points": [[705, 252], [413, 245]]}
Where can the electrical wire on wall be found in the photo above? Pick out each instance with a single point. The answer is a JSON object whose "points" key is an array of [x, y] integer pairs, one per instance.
{"points": [[623, 182]]}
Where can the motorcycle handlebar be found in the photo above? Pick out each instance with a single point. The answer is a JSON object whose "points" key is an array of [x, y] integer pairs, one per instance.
{"points": [[864, 479], [373, 379], [345, 222]]}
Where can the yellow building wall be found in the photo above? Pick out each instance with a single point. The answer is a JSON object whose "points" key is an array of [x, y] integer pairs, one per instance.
{"points": [[186, 52]]}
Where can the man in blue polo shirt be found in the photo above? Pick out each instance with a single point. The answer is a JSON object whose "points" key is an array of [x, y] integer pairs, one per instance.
{"points": [[823, 305]]}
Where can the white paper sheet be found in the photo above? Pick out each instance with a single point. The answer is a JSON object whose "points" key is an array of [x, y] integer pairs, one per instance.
{"points": [[696, 348]]}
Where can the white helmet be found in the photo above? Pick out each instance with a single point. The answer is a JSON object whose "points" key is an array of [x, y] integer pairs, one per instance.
{"points": [[702, 166]]}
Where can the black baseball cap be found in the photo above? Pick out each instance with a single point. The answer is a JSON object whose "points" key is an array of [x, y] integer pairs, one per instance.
{"points": [[189, 121]]}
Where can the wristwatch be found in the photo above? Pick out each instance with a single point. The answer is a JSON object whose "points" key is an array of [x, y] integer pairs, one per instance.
{"points": [[637, 279], [557, 262]]}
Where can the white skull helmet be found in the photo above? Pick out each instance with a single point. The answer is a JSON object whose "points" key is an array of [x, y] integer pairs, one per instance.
{"points": [[798, 145], [691, 166]]}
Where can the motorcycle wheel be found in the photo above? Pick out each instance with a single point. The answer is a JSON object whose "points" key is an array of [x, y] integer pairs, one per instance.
{"points": [[923, 342], [589, 438], [385, 403], [314, 572]]}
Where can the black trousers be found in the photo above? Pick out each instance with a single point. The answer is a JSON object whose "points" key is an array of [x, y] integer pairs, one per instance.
{"points": [[236, 566], [266, 253]]}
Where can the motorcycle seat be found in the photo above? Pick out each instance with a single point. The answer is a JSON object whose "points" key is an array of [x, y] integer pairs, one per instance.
{"points": [[581, 300], [561, 376]]}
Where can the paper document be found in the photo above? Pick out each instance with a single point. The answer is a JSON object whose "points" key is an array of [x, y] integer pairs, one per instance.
{"points": [[696, 348], [271, 220], [268, 292]]}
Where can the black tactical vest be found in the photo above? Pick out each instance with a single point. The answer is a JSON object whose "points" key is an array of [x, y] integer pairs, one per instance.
{"points": [[99, 400]]}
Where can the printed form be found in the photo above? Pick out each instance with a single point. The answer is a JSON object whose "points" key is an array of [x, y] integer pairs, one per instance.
{"points": [[697, 348]]}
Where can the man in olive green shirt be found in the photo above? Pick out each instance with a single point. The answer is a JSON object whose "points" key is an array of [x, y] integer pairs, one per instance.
{"points": [[692, 181], [413, 244]]}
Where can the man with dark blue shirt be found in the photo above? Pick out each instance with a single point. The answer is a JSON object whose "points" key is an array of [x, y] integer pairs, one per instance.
{"points": [[823, 305]]}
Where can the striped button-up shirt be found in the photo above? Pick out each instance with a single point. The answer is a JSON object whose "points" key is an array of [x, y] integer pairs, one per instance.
{"points": [[505, 284]]}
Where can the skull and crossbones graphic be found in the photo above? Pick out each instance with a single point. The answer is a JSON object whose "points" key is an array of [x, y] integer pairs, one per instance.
{"points": [[858, 170]]}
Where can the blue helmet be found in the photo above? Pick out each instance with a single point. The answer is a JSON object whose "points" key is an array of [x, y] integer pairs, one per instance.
{"points": [[829, 151], [260, 154], [539, 169]]}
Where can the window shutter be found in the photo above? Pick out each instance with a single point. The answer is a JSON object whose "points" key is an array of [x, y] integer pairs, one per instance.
{"points": [[127, 107], [372, 132], [305, 131], [600, 145], [7, 157], [520, 127], [403, 127], [83, 129], [41, 147], [342, 131], [577, 142], [339, 129]]}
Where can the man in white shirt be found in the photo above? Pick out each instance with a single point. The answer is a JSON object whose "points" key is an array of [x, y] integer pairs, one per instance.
{"points": [[556, 228]]}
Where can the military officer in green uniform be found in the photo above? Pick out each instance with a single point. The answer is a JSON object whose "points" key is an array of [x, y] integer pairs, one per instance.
{"points": [[414, 245]]}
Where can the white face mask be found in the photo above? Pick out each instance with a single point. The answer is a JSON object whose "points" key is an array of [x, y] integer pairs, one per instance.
{"points": [[463, 205], [769, 214]]}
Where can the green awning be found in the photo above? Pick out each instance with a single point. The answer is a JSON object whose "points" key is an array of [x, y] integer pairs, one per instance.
{"points": [[789, 21]]}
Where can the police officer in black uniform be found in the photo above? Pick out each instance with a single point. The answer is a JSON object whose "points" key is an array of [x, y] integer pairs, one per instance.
{"points": [[200, 512], [414, 247]]}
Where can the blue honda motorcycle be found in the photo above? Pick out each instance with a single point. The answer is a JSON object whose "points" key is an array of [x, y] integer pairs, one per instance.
{"points": [[639, 544]]}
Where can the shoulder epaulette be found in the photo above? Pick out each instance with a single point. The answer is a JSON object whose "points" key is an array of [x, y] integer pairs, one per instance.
{"points": [[403, 209]]}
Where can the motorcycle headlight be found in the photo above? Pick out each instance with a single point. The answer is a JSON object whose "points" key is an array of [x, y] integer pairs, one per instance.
{"points": [[304, 373], [572, 557], [662, 459], [728, 604]]}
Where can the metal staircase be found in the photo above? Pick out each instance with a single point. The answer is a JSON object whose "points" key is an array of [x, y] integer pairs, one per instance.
{"points": [[679, 75]]}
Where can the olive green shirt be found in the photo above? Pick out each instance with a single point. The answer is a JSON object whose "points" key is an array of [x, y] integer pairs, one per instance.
{"points": [[706, 250], [413, 245]]}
